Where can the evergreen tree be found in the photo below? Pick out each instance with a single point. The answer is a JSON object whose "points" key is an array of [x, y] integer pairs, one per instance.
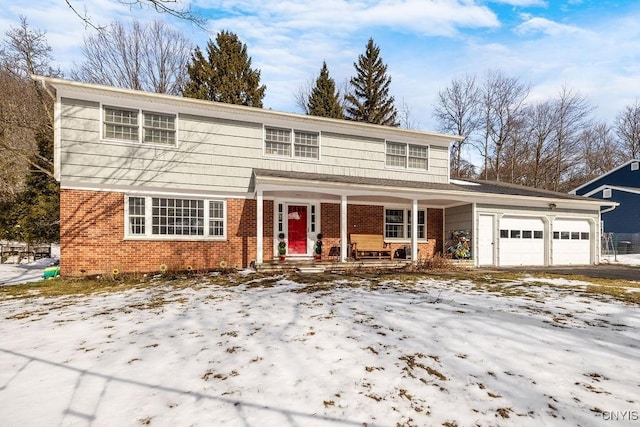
{"points": [[370, 101], [33, 217], [324, 101], [225, 75]]}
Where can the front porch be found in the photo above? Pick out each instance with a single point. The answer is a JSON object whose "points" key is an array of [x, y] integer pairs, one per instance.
{"points": [[408, 224]]}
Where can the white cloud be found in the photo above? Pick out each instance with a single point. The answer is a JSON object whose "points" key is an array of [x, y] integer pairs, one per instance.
{"points": [[523, 3], [533, 25]]}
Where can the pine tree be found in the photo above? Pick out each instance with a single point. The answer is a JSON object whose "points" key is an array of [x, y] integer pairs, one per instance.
{"points": [[33, 217], [324, 101], [225, 75], [370, 101]]}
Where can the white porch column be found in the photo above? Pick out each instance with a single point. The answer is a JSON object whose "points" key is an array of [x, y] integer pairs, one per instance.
{"points": [[343, 229], [414, 230], [259, 226]]}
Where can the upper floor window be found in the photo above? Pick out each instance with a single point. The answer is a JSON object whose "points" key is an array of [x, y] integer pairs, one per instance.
{"points": [[401, 155], [279, 142], [139, 126]]}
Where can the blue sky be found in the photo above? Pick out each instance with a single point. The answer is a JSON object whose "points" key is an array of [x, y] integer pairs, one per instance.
{"points": [[590, 46]]}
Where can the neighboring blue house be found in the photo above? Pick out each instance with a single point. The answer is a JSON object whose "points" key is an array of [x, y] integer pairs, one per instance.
{"points": [[621, 185]]}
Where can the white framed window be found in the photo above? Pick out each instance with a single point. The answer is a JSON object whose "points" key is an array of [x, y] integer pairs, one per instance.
{"points": [[305, 145], [137, 216], [397, 224], [396, 155], [277, 142], [635, 166], [606, 193], [175, 217], [292, 143], [407, 156], [122, 124]]}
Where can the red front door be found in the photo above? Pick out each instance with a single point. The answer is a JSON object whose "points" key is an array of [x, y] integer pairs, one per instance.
{"points": [[297, 228]]}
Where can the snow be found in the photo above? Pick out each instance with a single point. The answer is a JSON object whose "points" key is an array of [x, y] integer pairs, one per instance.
{"points": [[11, 274], [276, 351]]}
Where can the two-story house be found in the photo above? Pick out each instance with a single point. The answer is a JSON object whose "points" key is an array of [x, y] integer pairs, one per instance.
{"points": [[151, 181]]}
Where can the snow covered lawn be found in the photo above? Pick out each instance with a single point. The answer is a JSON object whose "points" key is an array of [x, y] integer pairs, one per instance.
{"points": [[292, 351]]}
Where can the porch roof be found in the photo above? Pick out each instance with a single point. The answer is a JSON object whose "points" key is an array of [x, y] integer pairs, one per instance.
{"points": [[466, 188]]}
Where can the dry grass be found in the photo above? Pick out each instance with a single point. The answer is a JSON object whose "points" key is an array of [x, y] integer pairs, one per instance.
{"points": [[507, 284]]}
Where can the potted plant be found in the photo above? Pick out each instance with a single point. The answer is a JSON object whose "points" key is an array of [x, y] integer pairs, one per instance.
{"points": [[318, 247], [282, 247]]}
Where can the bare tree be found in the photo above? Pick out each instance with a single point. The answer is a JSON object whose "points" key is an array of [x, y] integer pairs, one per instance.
{"points": [[571, 117], [406, 117], [25, 108], [541, 125], [601, 151], [151, 57], [169, 7], [456, 111], [501, 108], [627, 128], [302, 94]]}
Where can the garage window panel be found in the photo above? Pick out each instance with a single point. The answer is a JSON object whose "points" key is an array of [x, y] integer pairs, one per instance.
{"points": [[538, 234], [516, 234], [504, 234], [584, 236], [527, 234]]}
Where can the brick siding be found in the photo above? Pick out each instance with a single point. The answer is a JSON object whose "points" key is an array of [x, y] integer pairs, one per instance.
{"points": [[92, 236]]}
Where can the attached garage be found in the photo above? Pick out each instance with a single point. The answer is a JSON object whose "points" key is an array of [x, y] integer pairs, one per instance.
{"points": [[571, 242], [522, 241]]}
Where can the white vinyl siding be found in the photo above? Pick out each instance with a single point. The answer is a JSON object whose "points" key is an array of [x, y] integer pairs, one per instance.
{"points": [[171, 217], [124, 125], [279, 142], [400, 155]]}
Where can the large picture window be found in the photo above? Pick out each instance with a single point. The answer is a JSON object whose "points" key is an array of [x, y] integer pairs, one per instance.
{"points": [[401, 155], [292, 143], [397, 224], [139, 126], [175, 217]]}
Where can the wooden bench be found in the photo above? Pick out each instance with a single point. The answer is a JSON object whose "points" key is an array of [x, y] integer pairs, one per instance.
{"points": [[369, 246]]}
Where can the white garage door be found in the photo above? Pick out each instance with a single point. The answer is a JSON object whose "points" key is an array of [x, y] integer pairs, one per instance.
{"points": [[521, 241], [571, 242]]}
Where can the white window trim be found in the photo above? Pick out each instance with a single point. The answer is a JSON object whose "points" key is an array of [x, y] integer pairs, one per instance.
{"points": [[606, 193], [406, 167], [405, 225], [140, 113], [149, 213], [292, 145]]}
